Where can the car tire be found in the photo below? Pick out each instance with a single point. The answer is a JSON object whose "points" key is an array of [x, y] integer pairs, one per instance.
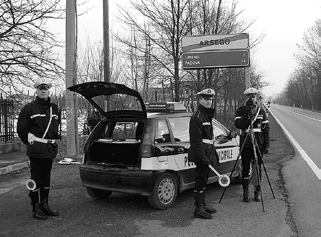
{"points": [[164, 193], [98, 194]]}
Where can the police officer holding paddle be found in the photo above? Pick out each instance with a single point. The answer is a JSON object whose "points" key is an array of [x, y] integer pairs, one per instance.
{"points": [[202, 150], [38, 128]]}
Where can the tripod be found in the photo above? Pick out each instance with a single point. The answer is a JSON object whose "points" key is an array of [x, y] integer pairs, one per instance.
{"points": [[256, 173]]}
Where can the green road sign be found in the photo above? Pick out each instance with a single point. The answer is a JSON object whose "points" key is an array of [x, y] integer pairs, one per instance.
{"points": [[213, 59], [215, 42]]}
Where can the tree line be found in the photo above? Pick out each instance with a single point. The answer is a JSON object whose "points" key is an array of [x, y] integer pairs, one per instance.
{"points": [[303, 88], [148, 57]]}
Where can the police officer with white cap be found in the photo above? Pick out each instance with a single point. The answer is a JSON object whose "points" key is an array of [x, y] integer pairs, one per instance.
{"points": [[38, 128], [202, 150], [244, 116]]}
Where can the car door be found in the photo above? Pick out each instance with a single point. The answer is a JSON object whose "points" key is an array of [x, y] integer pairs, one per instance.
{"points": [[181, 143], [227, 148], [163, 146]]}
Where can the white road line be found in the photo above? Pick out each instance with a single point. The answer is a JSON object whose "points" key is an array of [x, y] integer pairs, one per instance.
{"points": [[318, 120], [304, 155]]}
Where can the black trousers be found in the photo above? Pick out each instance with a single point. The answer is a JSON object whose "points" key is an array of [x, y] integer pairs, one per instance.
{"points": [[40, 170], [201, 172], [247, 157]]}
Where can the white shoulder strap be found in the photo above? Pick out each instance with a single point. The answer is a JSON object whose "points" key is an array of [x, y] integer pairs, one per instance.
{"points": [[48, 123]]}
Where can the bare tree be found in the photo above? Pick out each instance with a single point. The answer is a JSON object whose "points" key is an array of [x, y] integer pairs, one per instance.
{"points": [[215, 17], [167, 23], [304, 85], [26, 45]]}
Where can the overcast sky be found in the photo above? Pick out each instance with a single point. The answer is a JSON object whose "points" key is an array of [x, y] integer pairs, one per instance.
{"points": [[283, 21]]}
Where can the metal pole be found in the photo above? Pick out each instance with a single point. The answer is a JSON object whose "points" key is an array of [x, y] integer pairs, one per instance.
{"points": [[106, 49], [247, 73], [71, 79], [247, 77]]}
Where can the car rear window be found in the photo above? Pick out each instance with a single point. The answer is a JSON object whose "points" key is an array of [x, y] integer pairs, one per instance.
{"points": [[180, 128], [162, 131]]}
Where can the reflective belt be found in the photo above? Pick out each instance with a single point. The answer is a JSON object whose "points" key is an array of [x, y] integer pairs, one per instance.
{"points": [[208, 141], [254, 130], [32, 138], [247, 130], [37, 139]]}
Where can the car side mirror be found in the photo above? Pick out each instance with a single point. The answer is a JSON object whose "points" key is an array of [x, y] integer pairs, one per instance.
{"points": [[233, 134]]}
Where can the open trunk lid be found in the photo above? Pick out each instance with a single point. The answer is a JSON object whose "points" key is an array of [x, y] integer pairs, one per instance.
{"points": [[91, 90]]}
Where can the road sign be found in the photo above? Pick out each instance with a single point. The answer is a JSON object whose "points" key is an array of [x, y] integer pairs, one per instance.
{"points": [[212, 59], [215, 42]]}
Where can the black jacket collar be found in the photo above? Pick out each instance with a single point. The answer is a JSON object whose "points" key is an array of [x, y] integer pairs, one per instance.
{"points": [[208, 111]]}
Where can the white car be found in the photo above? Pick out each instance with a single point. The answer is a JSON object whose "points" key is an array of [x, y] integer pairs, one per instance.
{"points": [[144, 151]]}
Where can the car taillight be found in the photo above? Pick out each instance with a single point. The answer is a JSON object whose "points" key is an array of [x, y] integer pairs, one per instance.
{"points": [[148, 146]]}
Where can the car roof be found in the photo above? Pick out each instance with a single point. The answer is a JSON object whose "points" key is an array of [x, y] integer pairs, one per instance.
{"points": [[165, 107], [163, 115]]}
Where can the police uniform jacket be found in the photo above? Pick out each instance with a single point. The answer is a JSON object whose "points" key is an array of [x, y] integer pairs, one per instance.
{"points": [[261, 126], [34, 118], [200, 128]]}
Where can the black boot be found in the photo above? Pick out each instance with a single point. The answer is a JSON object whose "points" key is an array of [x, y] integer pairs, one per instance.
{"points": [[37, 212], [245, 183], [44, 193], [257, 193], [199, 210], [208, 209]]}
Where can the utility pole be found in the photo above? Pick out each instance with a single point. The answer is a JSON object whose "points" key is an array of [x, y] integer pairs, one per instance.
{"points": [[71, 79], [106, 49]]}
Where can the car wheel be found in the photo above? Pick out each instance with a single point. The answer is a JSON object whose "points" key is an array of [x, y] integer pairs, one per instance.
{"points": [[164, 193], [98, 194]]}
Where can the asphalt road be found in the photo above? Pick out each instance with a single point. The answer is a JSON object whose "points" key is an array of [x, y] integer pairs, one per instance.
{"points": [[131, 215], [302, 173]]}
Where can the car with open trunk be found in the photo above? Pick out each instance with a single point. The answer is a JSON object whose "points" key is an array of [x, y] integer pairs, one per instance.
{"points": [[142, 148]]}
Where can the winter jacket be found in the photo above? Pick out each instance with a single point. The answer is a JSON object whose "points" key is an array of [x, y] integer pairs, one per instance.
{"points": [[261, 126], [34, 118], [200, 128]]}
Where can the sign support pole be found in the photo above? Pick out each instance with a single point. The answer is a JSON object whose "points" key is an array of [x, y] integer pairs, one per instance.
{"points": [[247, 77]]}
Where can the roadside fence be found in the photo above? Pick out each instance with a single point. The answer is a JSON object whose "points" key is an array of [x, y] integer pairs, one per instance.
{"points": [[7, 120]]}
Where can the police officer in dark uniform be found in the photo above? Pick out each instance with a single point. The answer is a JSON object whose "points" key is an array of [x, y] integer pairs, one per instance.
{"points": [[251, 112], [38, 128], [202, 150]]}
